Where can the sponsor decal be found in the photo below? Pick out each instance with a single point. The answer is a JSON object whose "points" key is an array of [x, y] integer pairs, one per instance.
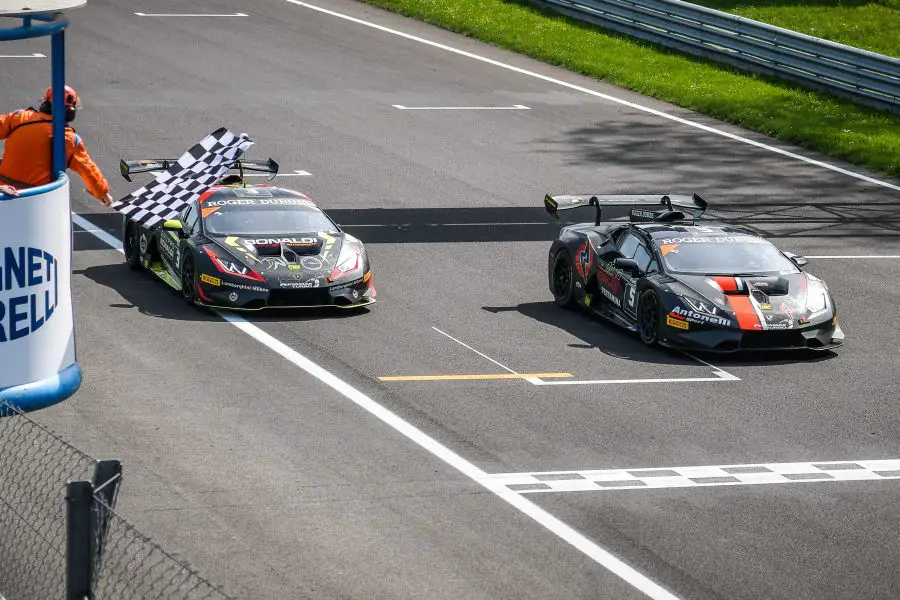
{"points": [[722, 239], [273, 262], [587, 300], [143, 243], [287, 241], [313, 263], [29, 278], [765, 306], [168, 243], [355, 294], [608, 276], [677, 323], [666, 249], [242, 286], [210, 280], [229, 202], [293, 267], [611, 297], [644, 214], [697, 317], [300, 284], [233, 296], [584, 259]]}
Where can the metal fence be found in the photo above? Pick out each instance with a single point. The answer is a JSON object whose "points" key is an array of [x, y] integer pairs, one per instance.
{"points": [[60, 537], [866, 77]]}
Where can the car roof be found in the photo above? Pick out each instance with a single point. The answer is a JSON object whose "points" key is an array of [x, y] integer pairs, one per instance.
{"points": [[705, 230], [240, 195]]}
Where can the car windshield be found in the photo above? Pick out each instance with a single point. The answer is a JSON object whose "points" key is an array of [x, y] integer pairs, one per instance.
{"points": [[244, 220], [723, 255]]}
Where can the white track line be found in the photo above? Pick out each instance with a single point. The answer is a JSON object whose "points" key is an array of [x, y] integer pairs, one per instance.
{"points": [[592, 550], [513, 107], [297, 173], [140, 14], [35, 55], [579, 480], [857, 256], [597, 94], [464, 345], [719, 376]]}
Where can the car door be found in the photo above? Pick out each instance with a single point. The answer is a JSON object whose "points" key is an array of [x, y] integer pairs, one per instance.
{"points": [[647, 265], [611, 282]]}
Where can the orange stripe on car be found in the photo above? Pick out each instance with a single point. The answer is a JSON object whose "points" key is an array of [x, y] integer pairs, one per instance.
{"points": [[744, 311], [728, 284]]}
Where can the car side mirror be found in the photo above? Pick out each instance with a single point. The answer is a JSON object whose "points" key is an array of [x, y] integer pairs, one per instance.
{"points": [[798, 260], [629, 265], [174, 225]]}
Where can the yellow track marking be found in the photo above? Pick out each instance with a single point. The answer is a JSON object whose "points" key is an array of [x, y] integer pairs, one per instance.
{"points": [[472, 377]]}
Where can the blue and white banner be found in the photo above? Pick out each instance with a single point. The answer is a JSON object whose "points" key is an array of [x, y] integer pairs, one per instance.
{"points": [[37, 337]]}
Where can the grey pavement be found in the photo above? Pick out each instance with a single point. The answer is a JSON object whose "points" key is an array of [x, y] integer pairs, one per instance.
{"points": [[276, 486]]}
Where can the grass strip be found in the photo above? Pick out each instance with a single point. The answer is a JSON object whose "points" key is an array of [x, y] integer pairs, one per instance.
{"points": [[860, 23], [813, 120]]}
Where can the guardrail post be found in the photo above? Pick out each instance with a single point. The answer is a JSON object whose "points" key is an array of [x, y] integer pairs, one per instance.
{"points": [[79, 498]]}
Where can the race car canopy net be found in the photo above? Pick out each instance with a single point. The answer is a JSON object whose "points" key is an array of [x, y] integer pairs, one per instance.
{"points": [[613, 206]]}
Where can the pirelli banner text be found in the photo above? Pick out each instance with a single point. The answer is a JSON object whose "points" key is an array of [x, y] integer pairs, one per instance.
{"points": [[37, 338]]}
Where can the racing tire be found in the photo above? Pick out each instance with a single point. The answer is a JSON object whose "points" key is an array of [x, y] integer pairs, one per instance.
{"points": [[562, 281], [188, 280], [649, 318], [132, 247]]}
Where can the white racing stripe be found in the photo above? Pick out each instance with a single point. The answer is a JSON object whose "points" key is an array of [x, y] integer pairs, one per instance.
{"points": [[592, 550], [597, 94]]}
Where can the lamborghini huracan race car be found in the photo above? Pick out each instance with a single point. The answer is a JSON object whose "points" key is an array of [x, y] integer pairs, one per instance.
{"points": [[250, 247], [683, 284]]}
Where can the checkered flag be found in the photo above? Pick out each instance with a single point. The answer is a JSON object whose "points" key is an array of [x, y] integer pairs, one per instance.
{"points": [[195, 172]]}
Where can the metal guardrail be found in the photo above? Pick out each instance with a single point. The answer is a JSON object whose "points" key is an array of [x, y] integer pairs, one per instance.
{"points": [[866, 77]]}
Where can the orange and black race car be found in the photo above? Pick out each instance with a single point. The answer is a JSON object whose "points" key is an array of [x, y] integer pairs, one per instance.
{"points": [[250, 247], [683, 283]]}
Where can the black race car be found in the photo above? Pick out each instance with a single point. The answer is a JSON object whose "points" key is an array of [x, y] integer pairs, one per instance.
{"points": [[250, 247], [687, 284]]}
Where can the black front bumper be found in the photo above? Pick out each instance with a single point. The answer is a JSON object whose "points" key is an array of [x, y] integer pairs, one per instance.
{"points": [[353, 295], [824, 336]]}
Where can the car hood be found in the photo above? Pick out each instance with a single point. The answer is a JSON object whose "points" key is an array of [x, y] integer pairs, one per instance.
{"points": [[287, 258], [752, 303]]}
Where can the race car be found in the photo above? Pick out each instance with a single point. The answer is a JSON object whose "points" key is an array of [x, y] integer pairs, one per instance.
{"points": [[250, 247], [684, 283]]}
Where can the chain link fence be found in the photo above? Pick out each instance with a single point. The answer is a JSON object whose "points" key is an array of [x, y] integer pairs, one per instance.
{"points": [[60, 537]]}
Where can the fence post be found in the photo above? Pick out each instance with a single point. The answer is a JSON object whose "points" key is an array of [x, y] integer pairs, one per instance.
{"points": [[79, 498], [107, 476]]}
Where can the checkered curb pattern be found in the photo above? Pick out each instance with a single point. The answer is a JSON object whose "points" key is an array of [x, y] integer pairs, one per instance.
{"points": [[680, 477], [194, 173]]}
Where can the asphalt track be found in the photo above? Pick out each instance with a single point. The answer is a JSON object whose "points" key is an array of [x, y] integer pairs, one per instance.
{"points": [[276, 485]]}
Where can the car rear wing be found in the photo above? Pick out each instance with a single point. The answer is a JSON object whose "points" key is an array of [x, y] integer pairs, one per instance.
{"points": [[136, 167], [645, 208]]}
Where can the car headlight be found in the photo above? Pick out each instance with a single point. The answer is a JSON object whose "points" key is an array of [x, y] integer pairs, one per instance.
{"points": [[816, 297], [350, 261], [701, 306]]}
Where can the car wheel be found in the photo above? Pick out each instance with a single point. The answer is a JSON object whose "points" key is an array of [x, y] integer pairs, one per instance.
{"points": [[649, 317], [132, 246], [188, 279], [562, 282]]}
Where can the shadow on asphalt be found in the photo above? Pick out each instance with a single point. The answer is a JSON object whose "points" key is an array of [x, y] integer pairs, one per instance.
{"points": [[614, 341], [770, 218], [595, 333]]}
